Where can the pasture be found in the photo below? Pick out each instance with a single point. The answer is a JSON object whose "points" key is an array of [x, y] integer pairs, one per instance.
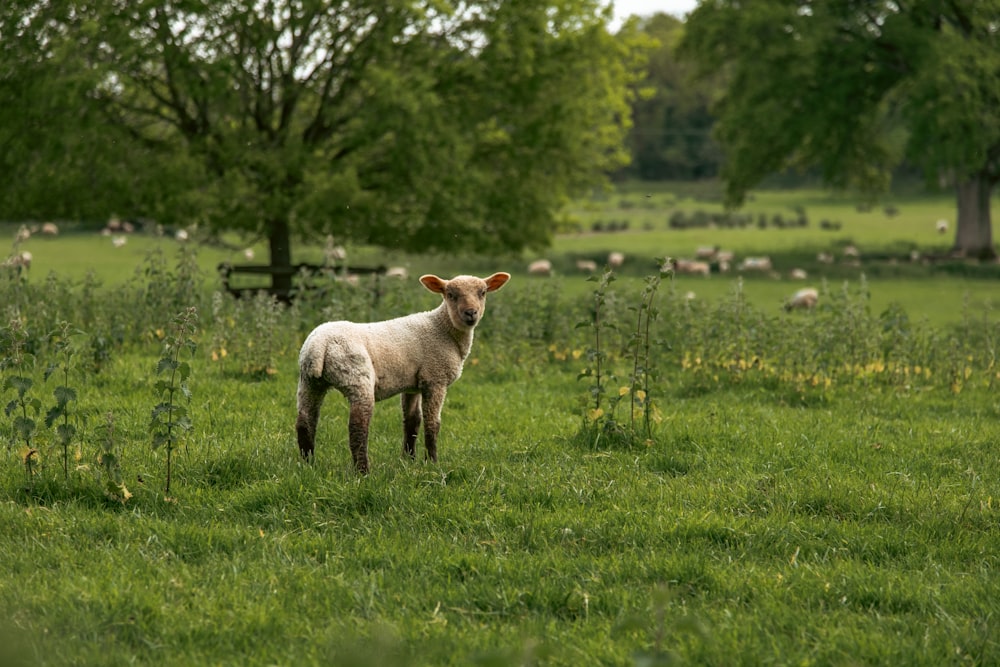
{"points": [[700, 481]]}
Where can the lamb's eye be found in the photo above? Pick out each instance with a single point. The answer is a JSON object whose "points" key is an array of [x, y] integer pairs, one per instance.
{"points": [[452, 296], [482, 294]]}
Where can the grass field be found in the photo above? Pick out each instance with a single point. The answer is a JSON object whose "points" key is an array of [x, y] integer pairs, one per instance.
{"points": [[756, 487]]}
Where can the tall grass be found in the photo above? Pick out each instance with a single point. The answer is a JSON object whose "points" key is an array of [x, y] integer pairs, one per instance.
{"points": [[821, 489]]}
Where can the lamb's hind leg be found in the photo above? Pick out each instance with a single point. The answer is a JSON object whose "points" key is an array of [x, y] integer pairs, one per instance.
{"points": [[411, 423], [357, 430], [310, 400]]}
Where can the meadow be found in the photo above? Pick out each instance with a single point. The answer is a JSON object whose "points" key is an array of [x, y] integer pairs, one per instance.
{"points": [[627, 476]]}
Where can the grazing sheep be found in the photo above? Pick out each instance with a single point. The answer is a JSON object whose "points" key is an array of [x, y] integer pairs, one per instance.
{"points": [[824, 258], [181, 235], [118, 241], [804, 299], [50, 229], [416, 355], [397, 272], [941, 226], [799, 274], [691, 267], [615, 260], [706, 252], [756, 264], [540, 267], [586, 265]]}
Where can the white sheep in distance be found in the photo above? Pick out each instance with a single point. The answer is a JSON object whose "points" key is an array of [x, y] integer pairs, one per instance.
{"points": [[540, 267], [804, 299], [616, 260], [692, 267], [418, 356]]}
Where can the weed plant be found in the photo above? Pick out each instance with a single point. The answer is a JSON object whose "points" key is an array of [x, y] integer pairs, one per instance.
{"points": [[171, 418]]}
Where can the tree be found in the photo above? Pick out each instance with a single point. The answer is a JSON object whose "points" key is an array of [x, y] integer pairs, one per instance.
{"points": [[854, 87], [671, 137], [403, 123]]}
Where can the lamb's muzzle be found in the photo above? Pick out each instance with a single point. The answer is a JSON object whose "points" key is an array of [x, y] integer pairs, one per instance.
{"points": [[417, 356]]}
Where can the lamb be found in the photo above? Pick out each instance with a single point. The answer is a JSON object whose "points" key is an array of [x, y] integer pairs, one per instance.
{"points": [[804, 299], [616, 259], [418, 356]]}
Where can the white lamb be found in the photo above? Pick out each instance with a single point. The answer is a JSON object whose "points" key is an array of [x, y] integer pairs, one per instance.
{"points": [[417, 355]]}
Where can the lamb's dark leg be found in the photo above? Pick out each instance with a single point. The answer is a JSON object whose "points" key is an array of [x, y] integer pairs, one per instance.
{"points": [[357, 429], [411, 423], [310, 400], [433, 401]]}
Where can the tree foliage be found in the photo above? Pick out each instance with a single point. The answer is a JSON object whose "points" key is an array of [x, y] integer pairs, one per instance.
{"points": [[412, 124], [671, 135], [854, 87]]}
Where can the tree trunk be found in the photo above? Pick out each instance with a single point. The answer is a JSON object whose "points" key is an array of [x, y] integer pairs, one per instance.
{"points": [[279, 240], [974, 231]]}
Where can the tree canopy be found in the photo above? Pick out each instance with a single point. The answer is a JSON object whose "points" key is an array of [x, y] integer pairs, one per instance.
{"points": [[411, 124], [854, 87], [671, 135]]}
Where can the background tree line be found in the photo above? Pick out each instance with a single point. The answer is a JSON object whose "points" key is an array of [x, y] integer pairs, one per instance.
{"points": [[437, 125]]}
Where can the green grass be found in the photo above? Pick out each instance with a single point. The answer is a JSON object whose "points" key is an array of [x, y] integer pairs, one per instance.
{"points": [[822, 488]]}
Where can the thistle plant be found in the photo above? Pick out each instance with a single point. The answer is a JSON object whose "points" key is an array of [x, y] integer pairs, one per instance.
{"points": [[65, 352], [24, 407], [170, 418]]}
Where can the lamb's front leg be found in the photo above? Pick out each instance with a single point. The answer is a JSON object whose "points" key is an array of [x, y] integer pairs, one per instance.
{"points": [[411, 423], [357, 429], [433, 401]]}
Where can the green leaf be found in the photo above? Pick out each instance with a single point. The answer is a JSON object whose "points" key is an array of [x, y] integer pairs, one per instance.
{"points": [[160, 439], [66, 433], [166, 365], [64, 395], [54, 413], [24, 426]]}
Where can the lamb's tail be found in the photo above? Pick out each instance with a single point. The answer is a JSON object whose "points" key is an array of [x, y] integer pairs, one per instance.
{"points": [[311, 358]]}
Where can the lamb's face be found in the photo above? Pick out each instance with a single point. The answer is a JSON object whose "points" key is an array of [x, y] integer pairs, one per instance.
{"points": [[465, 296]]}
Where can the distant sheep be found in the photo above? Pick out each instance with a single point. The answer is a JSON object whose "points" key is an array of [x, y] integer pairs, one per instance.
{"points": [[798, 274], [692, 267], [616, 260], [418, 356], [706, 252], [540, 267], [941, 226], [50, 229], [397, 272], [756, 264], [586, 265], [804, 299]]}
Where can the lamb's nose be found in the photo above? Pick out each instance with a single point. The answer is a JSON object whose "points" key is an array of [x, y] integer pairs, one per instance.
{"points": [[470, 314]]}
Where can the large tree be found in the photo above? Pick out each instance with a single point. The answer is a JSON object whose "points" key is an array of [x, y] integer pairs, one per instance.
{"points": [[405, 123], [856, 86]]}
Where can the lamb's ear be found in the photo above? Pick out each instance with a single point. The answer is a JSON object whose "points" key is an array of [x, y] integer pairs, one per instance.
{"points": [[496, 281], [433, 283]]}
